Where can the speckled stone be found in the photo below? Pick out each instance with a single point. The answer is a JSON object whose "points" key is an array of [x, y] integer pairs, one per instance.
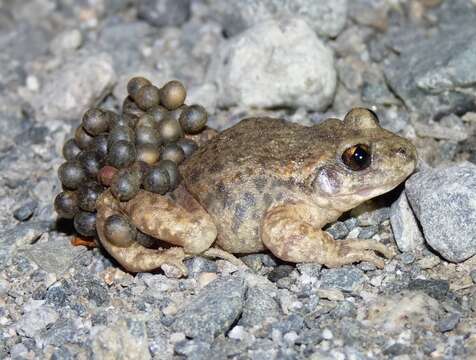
{"points": [[213, 310]]}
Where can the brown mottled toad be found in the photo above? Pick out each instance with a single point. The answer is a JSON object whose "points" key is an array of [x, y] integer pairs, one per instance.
{"points": [[268, 184]]}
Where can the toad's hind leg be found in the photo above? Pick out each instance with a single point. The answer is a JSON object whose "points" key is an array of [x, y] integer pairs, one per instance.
{"points": [[184, 223], [181, 221], [288, 232]]}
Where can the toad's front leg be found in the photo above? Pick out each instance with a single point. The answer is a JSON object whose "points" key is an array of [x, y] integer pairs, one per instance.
{"points": [[289, 233], [181, 222]]}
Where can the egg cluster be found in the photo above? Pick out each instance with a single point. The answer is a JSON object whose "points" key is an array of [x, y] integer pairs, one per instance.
{"points": [[139, 148]]}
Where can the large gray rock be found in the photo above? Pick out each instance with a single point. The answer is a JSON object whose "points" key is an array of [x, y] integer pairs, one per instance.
{"points": [[444, 201], [275, 63], [55, 256], [436, 76], [404, 225], [213, 310], [70, 90], [327, 18]]}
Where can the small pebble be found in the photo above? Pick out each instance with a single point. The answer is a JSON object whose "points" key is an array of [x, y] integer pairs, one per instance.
{"points": [[473, 275], [429, 262], [449, 322], [25, 212], [327, 334]]}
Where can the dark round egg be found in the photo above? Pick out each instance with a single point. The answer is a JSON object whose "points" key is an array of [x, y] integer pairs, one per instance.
{"points": [[88, 194], [71, 150], [126, 183], [147, 97], [71, 174], [95, 121], [193, 119], [66, 204], [173, 94], [157, 180], [172, 152], [172, 171], [119, 231], [121, 154], [85, 223]]}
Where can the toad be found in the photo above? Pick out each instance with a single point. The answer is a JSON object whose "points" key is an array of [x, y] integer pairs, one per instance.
{"points": [[267, 184]]}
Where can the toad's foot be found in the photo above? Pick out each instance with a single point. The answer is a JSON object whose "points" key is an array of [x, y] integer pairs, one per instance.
{"points": [[287, 231], [135, 257], [222, 254]]}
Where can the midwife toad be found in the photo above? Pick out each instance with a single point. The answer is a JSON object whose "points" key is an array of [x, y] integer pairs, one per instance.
{"points": [[268, 184]]}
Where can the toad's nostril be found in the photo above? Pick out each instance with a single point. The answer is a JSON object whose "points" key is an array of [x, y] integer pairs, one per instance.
{"points": [[401, 151]]}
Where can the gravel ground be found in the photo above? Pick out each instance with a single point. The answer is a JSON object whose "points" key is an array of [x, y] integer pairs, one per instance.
{"points": [[412, 61]]}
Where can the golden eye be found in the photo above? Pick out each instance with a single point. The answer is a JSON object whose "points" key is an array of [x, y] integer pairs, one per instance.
{"points": [[357, 157]]}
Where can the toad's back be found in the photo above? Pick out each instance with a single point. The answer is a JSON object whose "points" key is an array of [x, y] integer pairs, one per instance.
{"points": [[255, 147], [239, 173]]}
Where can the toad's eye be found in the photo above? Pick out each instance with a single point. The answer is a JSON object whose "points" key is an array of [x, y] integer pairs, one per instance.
{"points": [[357, 157]]}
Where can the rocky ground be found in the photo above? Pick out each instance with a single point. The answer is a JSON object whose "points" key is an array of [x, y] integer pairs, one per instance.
{"points": [[412, 61]]}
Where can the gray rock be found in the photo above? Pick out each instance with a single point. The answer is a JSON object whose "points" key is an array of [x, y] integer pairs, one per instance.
{"points": [[22, 235], [444, 201], [164, 12], [310, 270], [62, 332], [66, 41], [368, 231], [120, 41], [435, 76], [213, 310], [435, 288], [404, 225], [327, 18], [55, 256], [449, 322], [338, 230], [370, 213], [80, 83], [449, 127], [36, 319], [292, 322], [473, 275], [259, 306], [345, 279], [280, 272], [126, 339], [378, 93], [275, 63], [199, 264], [193, 349]]}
